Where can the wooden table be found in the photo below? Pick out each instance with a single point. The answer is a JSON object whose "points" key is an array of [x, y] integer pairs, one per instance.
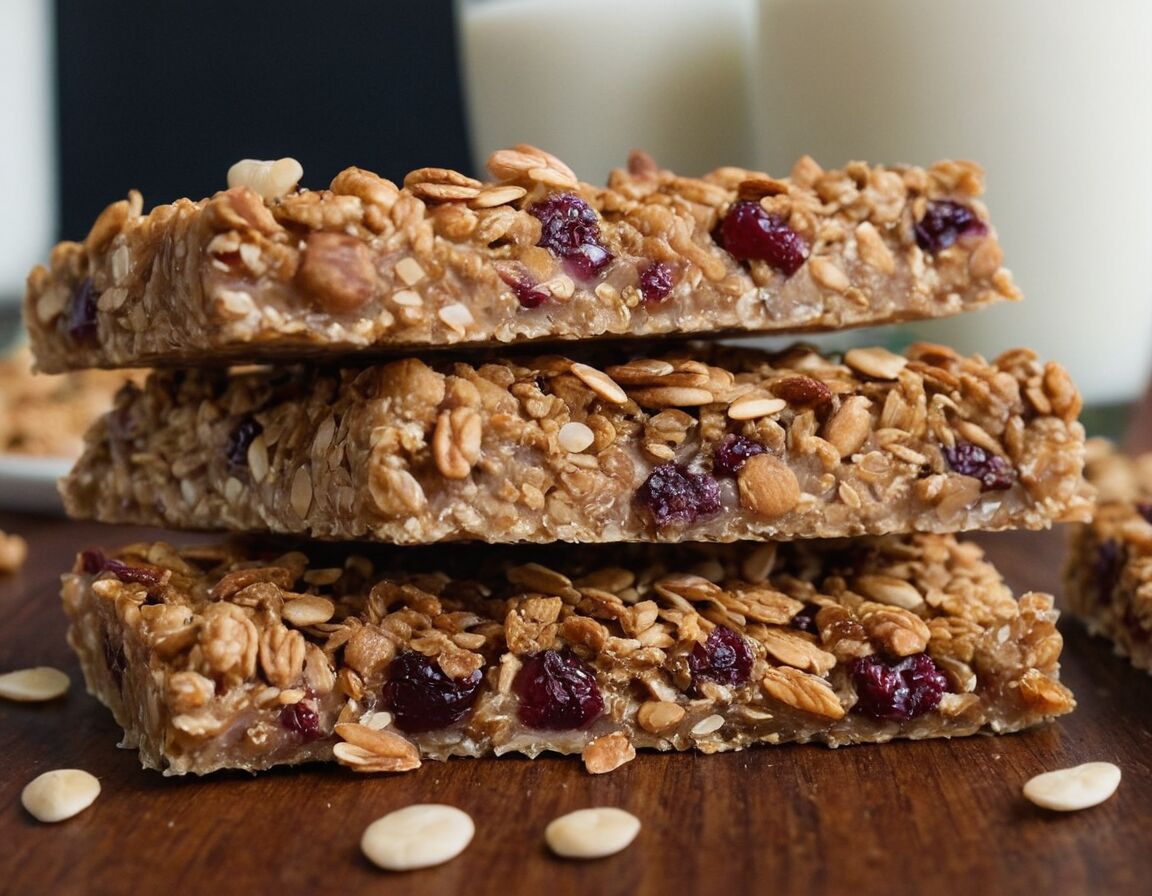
{"points": [[932, 817]]}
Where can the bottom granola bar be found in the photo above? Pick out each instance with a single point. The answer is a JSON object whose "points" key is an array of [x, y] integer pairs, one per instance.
{"points": [[1108, 576], [232, 657]]}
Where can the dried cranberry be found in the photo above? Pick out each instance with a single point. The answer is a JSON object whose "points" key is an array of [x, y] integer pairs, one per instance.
{"points": [[571, 230], [673, 493], [95, 562], [805, 620], [993, 471], [1145, 510], [656, 282], [897, 690], [724, 658], [239, 441], [748, 231], [557, 692], [729, 456], [945, 222], [92, 561], [422, 697], [1109, 563], [301, 718], [82, 313], [528, 293]]}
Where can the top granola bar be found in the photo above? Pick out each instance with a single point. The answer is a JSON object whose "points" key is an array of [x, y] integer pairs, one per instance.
{"points": [[534, 255]]}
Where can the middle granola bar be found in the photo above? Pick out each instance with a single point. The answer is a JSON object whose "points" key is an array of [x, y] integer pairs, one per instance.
{"points": [[711, 443]]}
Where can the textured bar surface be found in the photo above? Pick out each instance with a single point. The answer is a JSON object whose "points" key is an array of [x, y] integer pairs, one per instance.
{"points": [[713, 444], [1108, 575], [448, 260], [229, 657]]}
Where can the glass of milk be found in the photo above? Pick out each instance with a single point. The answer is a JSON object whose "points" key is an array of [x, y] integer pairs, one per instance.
{"points": [[28, 160], [589, 80], [1052, 97]]}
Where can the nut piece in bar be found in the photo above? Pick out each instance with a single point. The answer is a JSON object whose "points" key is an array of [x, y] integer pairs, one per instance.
{"points": [[204, 658], [265, 270], [711, 443]]}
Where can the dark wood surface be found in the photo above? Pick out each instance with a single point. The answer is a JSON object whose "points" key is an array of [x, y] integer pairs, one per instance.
{"points": [[932, 817]]}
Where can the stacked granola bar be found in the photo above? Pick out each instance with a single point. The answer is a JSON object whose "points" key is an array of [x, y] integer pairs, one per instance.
{"points": [[1108, 574], [815, 590]]}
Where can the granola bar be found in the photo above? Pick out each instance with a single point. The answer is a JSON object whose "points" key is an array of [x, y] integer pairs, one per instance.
{"points": [[232, 657], [48, 415], [532, 255], [713, 444], [1108, 575]]}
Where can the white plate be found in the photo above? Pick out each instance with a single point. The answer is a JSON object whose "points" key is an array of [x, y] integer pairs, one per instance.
{"points": [[29, 483]]}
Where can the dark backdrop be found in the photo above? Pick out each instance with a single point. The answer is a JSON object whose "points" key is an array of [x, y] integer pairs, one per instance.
{"points": [[165, 96]]}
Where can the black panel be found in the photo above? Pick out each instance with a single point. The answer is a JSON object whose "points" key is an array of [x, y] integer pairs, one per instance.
{"points": [[164, 97]]}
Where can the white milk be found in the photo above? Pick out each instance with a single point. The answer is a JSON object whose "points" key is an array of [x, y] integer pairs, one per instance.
{"points": [[27, 159], [1053, 97], [588, 80]]}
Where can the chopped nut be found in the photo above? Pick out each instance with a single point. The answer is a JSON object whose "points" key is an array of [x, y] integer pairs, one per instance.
{"points": [[608, 753], [307, 610], [754, 406], [367, 750], [828, 274], [873, 251], [671, 397], [13, 552], [802, 691], [591, 833], [659, 716], [457, 442], [418, 836], [890, 590], [410, 271], [802, 391], [269, 180], [708, 725], [60, 794], [338, 270], [34, 685], [456, 316], [1071, 789], [768, 487], [875, 362], [575, 437], [849, 427]]}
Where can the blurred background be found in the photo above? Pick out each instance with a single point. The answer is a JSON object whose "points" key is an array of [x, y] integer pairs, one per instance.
{"points": [[1054, 97]]}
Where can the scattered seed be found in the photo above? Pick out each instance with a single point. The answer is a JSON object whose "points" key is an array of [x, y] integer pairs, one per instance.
{"points": [[418, 836], [33, 685], [1079, 787], [591, 833], [60, 794]]}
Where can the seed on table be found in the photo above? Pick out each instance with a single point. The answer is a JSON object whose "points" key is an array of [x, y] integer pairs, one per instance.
{"points": [[60, 794], [418, 836], [591, 833], [33, 685], [1079, 787]]}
